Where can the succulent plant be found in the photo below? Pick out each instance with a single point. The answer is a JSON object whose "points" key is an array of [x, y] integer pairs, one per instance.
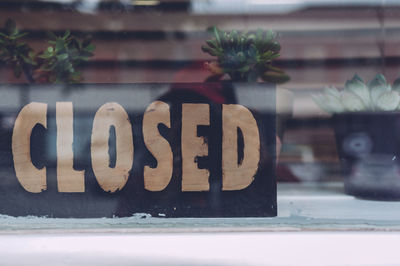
{"points": [[14, 52], [357, 96], [56, 64], [244, 56], [61, 59]]}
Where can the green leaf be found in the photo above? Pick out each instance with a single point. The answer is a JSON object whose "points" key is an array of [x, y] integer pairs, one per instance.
{"points": [[86, 54], [351, 102], [388, 101], [90, 47], [59, 45], [76, 76], [267, 54], [332, 91], [31, 54], [276, 69], [66, 34], [224, 40], [76, 43], [251, 36], [381, 77], [209, 50], [62, 56], [274, 56], [357, 77], [377, 91], [276, 47], [270, 35], [82, 58], [359, 89], [27, 60], [234, 36], [328, 103], [20, 35], [378, 81], [216, 33], [275, 77], [44, 56], [212, 43]]}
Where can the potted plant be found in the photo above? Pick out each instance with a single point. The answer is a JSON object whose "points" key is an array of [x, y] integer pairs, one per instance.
{"points": [[247, 58], [58, 63], [367, 128], [244, 57]]}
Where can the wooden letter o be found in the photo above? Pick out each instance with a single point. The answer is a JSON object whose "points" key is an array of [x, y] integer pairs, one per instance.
{"points": [[111, 179]]}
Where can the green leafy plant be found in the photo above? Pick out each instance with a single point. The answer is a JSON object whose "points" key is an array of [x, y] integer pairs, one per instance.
{"points": [[58, 63], [244, 56], [16, 53], [357, 96], [60, 60]]}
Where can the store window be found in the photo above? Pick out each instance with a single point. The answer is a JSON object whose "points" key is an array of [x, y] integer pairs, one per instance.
{"points": [[201, 109]]}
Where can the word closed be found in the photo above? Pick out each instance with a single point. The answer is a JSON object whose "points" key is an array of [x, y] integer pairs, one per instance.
{"points": [[237, 173]]}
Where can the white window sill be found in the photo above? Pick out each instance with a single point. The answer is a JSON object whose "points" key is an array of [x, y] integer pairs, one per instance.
{"points": [[317, 225], [301, 206]]}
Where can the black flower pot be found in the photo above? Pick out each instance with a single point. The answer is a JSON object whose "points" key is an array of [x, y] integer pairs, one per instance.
{"points": [[368, 145]]}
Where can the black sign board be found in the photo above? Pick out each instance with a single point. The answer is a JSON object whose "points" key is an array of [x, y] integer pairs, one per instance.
{"points": [[103, 150]]}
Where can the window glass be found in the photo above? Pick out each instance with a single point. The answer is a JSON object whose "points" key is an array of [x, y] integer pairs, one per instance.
{"points": [[320, 79]]}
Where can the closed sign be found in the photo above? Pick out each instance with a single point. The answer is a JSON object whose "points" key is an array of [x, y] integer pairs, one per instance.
{"points": [[115, 150]]}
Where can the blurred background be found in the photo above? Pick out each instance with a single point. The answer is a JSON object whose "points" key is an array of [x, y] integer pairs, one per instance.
{"points": [[148, 41]]}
